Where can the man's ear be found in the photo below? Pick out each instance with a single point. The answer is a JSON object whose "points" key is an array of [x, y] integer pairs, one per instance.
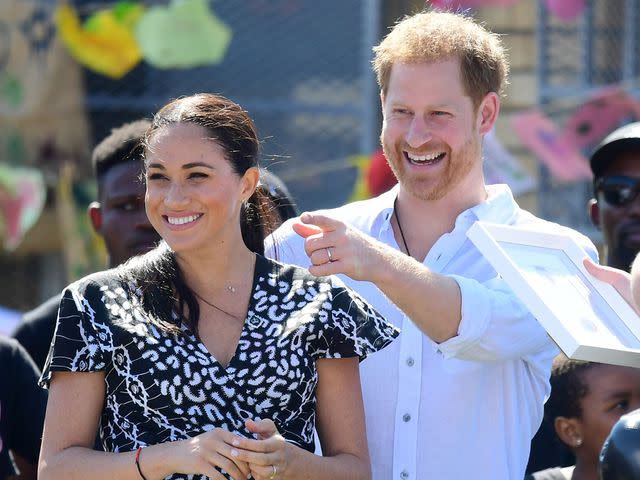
{"points": [[569, 431], [594, 212], [488, 112], [95, 215]]}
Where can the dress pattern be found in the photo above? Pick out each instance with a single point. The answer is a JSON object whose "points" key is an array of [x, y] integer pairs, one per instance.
{"points": [[164, 387]]}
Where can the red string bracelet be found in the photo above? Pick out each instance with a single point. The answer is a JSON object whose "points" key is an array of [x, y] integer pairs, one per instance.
{"points": [[138, 463]]}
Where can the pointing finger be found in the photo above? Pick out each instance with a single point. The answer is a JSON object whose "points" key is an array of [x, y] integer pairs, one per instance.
{"points": [[305, 230], [324, 222]]}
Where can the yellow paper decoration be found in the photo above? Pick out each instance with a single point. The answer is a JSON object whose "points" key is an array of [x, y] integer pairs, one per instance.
{"points": [[105, 43], [360, 189]]}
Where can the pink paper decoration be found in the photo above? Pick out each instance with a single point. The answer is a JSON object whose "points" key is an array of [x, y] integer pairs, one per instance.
{"points": [[540, 134], [22, 196], [464, 4], [566, 10], [598, 116]]}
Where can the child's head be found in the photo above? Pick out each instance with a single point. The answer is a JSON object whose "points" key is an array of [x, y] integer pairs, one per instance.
{"points": [[587, 399]]}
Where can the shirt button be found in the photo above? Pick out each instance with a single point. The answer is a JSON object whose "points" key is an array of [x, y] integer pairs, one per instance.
{"points": [[404, 474], [410, 361], [406, 417]]}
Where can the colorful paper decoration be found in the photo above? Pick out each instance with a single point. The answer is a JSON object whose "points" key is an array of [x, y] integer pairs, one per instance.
{"points": [[22, 196], [566, 10], [454, 5], [106, 42], [185, 34], [360, 189], [598, 116], [540, 134]]}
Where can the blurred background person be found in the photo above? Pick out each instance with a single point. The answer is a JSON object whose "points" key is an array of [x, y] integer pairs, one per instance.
{"points": [[118, 216], [615, 208], [22, 407]]}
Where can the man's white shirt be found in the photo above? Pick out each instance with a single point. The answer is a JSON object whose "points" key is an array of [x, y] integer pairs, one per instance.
{"points": [[467, 407]]}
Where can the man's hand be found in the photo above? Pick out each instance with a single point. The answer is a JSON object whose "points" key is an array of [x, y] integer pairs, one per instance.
{"points": [[335, 247]]}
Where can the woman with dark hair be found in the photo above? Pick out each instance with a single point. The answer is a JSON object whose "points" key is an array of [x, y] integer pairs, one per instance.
{"points": [[203, 359]]}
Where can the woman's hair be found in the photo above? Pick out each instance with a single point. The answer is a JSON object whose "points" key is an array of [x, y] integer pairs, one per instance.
{"points": [[568, 387], [164, 288]]}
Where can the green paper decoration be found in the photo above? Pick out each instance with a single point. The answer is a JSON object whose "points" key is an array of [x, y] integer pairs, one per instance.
{"points": [[184, 34]]}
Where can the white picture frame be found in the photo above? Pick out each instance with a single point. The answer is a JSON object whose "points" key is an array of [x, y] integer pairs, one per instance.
{"points": [[584, 316]]}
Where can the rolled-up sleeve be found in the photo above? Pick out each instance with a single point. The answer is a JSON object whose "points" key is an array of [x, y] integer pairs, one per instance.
{"points": [[494, 324]]}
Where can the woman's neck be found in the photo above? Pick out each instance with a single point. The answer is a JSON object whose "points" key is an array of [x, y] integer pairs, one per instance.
{"points": [[226, 269]]}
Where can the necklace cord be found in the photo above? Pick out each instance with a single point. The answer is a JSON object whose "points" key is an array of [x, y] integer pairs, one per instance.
{"points": [[217, 307], [395, 212]]}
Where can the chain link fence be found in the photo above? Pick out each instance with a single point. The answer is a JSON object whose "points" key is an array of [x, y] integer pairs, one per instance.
{"points": [[302, 70]]}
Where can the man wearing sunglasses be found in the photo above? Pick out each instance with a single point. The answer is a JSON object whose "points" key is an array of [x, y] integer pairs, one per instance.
{"points": [[615, 208]]}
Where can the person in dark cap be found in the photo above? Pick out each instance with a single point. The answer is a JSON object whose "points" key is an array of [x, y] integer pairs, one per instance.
{"points": [[615, 208]]}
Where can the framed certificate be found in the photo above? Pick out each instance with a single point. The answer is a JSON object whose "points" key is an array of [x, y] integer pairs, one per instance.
{"points": [[586, 317]]}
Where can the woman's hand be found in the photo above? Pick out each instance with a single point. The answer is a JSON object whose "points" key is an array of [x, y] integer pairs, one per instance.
{"points": [[618, 279], [201, 454], [269, 457]]}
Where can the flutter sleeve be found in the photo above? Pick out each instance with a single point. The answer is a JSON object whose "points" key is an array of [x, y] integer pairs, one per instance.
{"points": [[81, 334], [350, 327]]}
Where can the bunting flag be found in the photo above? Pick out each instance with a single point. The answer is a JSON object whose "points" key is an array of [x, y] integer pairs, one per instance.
{"points": [[540, 134], [22, 197], [184, 34], [105, 43], [598, 116]]}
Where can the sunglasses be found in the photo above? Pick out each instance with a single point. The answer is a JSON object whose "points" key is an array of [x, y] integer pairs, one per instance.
{"points": [[618, 190]]}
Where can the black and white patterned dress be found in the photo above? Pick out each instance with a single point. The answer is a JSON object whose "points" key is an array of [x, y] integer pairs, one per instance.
{"points": [[163, 387]]}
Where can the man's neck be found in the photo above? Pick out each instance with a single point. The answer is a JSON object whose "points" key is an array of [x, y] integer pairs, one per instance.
{"points": [[423, 222]]}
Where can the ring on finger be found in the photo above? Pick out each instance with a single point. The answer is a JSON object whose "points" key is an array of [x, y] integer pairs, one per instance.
{"points": [[274, 472], [329, 254]]}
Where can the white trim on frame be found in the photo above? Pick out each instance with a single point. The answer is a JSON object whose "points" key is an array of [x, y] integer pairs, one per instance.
{"points": [[586, 317]]}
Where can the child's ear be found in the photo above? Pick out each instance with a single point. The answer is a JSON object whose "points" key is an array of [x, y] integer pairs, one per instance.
{"points": [[569, 431]]}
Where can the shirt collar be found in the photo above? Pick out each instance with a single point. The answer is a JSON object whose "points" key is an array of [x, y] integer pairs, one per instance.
{"points": [[498, 207], [383, 205]]}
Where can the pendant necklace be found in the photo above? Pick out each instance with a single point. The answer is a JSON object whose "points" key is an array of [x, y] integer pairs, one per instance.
{"points": [[395, 212], [217, 307]]}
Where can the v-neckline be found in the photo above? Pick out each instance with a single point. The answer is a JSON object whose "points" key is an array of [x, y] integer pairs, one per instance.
{"points": [[229, 368]]}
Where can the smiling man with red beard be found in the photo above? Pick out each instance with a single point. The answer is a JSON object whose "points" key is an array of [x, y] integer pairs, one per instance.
{"points": [[615, 208], [460, 393]]}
